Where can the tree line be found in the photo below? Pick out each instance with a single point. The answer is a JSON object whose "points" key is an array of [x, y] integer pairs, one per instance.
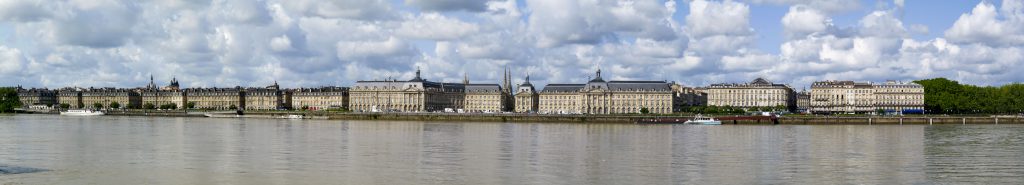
{"points": [[944, 96]]}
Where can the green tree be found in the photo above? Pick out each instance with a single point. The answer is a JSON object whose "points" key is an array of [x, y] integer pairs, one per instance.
{"points": [[149, 106], [305, 107], [65, 106], [643, 110], [115, 105], [190, 105], [97, 105], [9, 100], [232, 107]]}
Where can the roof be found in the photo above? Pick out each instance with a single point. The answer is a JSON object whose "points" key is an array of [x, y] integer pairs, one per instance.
{"points": [[483, 88], [563, 87], [639, 85]]}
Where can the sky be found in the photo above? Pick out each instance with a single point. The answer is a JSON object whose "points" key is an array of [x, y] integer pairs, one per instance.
{"points": [[308, 43]]}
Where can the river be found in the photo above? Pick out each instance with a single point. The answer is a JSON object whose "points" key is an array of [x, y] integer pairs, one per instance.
{"points": [[161, 150]]}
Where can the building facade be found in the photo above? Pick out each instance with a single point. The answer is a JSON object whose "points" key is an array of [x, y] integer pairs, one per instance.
{"points": [[488, 98], [416, 95], [527, 100], [216, 98], [36, 97], [864, 97], [164, 96], [687, 97], [613, 97], [266, 98], [803, 102], [70, 97], [320, 98], [759, 93], [109, 97]]}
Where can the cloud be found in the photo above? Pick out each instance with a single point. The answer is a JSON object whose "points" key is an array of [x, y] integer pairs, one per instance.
{"points": [[983, 25], [827, 6], [435, 26], [24, 10], [450, 5], [801, 21], [11, 59]]}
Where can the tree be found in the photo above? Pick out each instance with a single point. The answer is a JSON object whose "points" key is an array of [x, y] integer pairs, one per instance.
{"points": [[643, 110], [97, 105], [65, 106], [115, 105], [9, 100], [190, 105], [305, 107], [149, 106], [232, 107]]}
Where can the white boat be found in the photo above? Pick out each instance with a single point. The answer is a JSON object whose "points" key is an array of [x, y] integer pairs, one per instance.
{"points": [[82, 113], [701, 120], [293, 116]]}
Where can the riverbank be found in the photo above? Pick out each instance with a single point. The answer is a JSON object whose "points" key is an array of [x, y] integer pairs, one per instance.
{"points": [[545, 118]]}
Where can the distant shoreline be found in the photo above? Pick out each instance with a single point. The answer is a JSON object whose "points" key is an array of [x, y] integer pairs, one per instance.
{"points": [[621, 119]]}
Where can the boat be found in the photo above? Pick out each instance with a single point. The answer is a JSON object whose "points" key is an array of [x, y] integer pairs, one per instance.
{"points": [[293, 116], [701, 120], [82, 113]]}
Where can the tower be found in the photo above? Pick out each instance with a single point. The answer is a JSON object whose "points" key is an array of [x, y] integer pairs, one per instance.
{"points": [[465, 79]]}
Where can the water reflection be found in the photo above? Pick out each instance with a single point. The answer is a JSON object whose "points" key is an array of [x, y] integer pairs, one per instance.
{"points": [[142, 150]]}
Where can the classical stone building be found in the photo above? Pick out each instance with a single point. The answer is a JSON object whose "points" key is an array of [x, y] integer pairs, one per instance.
{"points": [[759, 93], [687, 97], [865, 97], [72, 97], [216, 98], [168, 95], [893, 96], [416, 95], [320, 98], [36, 97], [527, 100], [485, 98], [266, 98], [601, 97], [492, 98], [108, 97], [803, 101]]}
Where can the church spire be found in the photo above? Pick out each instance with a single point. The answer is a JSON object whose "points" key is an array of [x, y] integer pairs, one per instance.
{"points": [[465, 78]]}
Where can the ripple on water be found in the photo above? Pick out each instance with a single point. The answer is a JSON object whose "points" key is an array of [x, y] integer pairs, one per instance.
{"points": [[5, 170]]}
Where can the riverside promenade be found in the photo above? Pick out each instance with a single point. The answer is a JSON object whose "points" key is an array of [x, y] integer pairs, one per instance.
{"points": [[584, 118]]}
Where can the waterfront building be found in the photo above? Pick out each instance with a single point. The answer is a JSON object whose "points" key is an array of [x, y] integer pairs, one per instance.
{"points": [[759, 93], [36, 97], [803, 101], [893, 96], [489, 97], [263, 98], [485, 98], [687, 97], [526, 99], [416, 95], [72, 97], [216, 98], [168, 95], [108, 97], [320, 98], [607, 97], [865, 97]]}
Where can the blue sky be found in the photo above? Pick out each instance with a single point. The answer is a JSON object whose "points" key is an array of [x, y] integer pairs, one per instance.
{"points": [[207, 43]]}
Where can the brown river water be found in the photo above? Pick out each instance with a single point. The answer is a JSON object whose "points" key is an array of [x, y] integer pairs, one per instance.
{"points": [[50, 149]]}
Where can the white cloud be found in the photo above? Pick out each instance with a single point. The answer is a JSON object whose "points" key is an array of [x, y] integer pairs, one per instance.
{"points": [[449, 5], [11, 59], [718, 18], [829, 6], [983, 25], [435, 26], [802, 20], [23, 10]]}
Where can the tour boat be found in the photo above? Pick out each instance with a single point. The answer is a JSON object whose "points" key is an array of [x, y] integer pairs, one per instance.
{"points": [[82, 113], [701, 120]]}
